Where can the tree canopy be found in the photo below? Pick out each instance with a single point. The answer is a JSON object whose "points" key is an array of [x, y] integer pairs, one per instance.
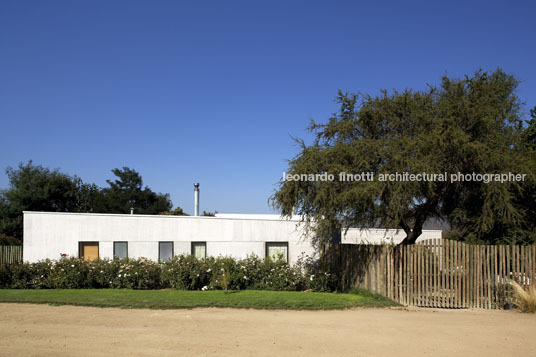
{"points": [[36, 188], [467, 125], [127, 192]]}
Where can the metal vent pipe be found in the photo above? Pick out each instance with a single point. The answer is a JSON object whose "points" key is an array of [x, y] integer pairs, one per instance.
{"points": [[196, 199]]}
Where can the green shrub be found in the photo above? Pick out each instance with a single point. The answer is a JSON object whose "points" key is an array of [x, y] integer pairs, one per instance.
{"points": [[184, 272]]}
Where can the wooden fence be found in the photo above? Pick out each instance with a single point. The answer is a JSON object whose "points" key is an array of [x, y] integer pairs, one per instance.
{"points": [[436, 272], [10, 254]]}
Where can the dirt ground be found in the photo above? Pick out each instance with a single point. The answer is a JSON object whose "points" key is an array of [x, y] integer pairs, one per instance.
{"points": [[37, 330]]}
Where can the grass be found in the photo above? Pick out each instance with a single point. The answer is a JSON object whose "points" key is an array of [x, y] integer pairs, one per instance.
{"points": [[525, 300], [179, 299]]}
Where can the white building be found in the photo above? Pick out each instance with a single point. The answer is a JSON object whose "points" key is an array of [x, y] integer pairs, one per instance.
{"points": [[92, 235]]}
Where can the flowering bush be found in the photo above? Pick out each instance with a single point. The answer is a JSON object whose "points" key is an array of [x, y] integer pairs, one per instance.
{"points": [[183, 272]]}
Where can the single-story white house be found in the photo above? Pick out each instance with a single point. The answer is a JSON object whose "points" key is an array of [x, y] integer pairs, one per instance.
{"points": [[160, 237]]}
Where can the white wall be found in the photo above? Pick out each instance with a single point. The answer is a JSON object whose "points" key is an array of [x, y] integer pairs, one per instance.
{"points": [[48, 234], [381, 236]]}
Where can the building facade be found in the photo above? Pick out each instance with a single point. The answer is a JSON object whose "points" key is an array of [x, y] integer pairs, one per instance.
{"points": [[98, 235]]}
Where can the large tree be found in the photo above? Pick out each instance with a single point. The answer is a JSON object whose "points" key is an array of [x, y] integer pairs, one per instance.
{"points": [[465, 125], [35, 188], [127, 192]]}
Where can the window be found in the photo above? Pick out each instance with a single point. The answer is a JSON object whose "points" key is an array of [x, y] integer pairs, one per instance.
{"points": [[199, 250], [120, 250], [165, 251], [88, 250], [277, 251]]}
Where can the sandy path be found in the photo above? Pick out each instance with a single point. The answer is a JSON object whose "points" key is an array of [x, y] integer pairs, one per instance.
{"points": [[69, 330]]}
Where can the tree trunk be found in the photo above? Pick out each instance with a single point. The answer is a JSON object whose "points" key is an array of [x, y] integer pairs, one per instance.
{"points": [[411, 236]]}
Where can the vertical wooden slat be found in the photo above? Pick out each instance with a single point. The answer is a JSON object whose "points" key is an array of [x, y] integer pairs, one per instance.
{"points": [[439, 285], [443, 273], [413, 274], [394, 270], [399, 277], [392, 281], [419, 275], [429, 285], [502, 267], [484, 284], [486, 279], [451, 274], [513, 269], [463, 274], [463, 269], [387, 263], [494, 276], [458, 272], [467, 274], [428, 275], [531, 265], [406, 274], [416, 274], [483, 276], [434, 257], [478, 277], [489, 281], [410, 275], [472, 276], [475, 275], [454, 274], [444, 268], [521, 267], [525, 265]]}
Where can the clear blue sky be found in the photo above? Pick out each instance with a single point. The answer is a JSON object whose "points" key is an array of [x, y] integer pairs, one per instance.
{"points": [[211, 91]]}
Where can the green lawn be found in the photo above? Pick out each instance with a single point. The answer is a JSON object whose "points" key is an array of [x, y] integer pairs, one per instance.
{"points": [[178, 299]]}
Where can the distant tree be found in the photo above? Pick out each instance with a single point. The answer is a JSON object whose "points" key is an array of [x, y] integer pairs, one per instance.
{"points": [[176, 212], [127, 191], [209, 214], [466, 125], [34, 188], [530, 131], [89, 197]]}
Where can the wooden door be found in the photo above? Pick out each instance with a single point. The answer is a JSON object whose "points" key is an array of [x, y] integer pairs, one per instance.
{"points": [[90, 251]]}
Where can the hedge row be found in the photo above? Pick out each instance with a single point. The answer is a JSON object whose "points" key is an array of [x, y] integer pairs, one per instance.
{"points": [[182, 272]]}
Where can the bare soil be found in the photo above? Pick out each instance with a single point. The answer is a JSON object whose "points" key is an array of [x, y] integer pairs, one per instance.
{"points": [[40, 330]]}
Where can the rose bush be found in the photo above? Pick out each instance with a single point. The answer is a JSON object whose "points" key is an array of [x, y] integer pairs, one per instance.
{"points": [[183, 272]]}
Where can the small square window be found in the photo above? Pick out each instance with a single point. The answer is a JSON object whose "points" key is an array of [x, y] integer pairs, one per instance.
{"points": [[120, 250], [199, 250], [165, 251], [277, 251], [88, 250]]}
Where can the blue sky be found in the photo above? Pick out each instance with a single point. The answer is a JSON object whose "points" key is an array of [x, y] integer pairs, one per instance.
{"points": [[212, 91]]}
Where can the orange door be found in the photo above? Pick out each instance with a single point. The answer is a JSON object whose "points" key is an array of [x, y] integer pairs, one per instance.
{"points": [[91, 252]]}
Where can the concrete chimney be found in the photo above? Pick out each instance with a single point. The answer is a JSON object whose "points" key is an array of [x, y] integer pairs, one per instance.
{"points": [[131, 210], [196, 199]]}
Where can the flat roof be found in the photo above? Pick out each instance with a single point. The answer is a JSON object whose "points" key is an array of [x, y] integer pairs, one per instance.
{"points": [[228, 216]]}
